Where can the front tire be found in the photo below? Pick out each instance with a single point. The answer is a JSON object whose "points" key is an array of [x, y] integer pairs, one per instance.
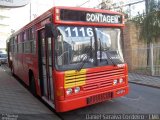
{"points": [[12, 71], [32, 85]]}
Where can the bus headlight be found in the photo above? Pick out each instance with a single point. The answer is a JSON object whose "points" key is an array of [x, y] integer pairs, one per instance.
{"points": [[120, 80], [115, 82], [69, 91], [77, 89]]}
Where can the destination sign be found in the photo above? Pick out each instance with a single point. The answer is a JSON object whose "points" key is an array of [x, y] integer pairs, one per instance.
{"points": [[103, 18], [84, 16]]}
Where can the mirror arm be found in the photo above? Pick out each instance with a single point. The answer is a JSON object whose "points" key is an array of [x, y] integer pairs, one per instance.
{"points": [[50, 30]]}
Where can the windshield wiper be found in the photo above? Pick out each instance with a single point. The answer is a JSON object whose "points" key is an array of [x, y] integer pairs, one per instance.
{"points": [[84, 57], [100, 47], [113, 62], [88, 51]]}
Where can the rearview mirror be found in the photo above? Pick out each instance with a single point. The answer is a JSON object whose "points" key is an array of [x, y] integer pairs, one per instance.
{"points": [[50, 30]]}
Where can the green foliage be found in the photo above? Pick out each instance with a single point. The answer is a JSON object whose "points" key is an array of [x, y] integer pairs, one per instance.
{"points": [[138, 20], [150, 23], [150, 30]]}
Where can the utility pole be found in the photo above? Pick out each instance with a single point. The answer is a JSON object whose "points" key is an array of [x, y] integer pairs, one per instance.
{"points": [[147, 6], [148, 44], [149, 50], [30, 11]]}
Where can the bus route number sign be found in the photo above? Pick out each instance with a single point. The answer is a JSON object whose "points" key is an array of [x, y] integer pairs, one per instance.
{"points": [[92, 17]]}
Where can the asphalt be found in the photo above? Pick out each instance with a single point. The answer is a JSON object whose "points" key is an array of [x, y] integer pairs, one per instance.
{"points": [[16, 102], [143, 98], [140, 100]]}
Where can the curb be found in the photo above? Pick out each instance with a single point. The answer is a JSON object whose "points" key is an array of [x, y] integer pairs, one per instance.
{"points": [[153, 86]]}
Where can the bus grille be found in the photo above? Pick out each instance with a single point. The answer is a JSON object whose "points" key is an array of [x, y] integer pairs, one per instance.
{"points": [[102, 79], [99, 98]]}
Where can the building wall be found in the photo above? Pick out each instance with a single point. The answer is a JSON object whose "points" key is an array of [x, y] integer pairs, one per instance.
{"points": [[4, 26], [136, 51], [134, 48]]}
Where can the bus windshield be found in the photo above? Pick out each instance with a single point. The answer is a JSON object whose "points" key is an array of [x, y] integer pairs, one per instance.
{"points": [[94, 46]]}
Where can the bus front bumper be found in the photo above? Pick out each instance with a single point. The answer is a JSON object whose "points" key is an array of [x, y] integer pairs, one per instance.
{"points": [[71, 104]]}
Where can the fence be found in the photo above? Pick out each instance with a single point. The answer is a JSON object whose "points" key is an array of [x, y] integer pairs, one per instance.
{"points": [[143, 60]]}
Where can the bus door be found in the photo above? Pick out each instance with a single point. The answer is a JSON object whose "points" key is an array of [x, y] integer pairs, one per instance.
{"points": [[45, 66]]}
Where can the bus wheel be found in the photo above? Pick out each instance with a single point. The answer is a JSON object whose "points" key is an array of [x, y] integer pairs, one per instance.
{"points": [[32, 85], [12, 71]]}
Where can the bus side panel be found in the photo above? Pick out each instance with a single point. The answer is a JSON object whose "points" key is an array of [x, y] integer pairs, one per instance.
{"points": [[19, 66], [26, 61]]}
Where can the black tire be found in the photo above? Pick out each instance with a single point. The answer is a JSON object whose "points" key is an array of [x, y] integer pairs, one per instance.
{"points": [[12, 71], [32, 85]]}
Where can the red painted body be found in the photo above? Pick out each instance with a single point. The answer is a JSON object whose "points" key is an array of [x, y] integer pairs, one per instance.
{"points": [[98, 80]]}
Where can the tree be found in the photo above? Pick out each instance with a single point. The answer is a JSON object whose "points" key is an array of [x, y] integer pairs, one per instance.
{"points": [[150, 24], [151, 21], [106, 4]]}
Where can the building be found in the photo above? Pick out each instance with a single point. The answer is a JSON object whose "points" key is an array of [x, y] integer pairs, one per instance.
{"points": [[4, 26]]}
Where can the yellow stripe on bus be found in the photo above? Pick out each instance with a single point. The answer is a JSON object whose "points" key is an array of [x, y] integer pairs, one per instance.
{"points": [[74, 78]]}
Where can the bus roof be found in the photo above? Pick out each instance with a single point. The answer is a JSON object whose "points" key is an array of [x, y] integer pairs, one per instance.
{"points": [[53, 10]]}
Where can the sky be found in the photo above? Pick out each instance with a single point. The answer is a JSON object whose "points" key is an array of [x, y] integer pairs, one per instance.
{"points": [[21, 16]]}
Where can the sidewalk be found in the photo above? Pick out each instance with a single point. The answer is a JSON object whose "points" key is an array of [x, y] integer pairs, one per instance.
{"points": [[144, 80], [17, 102]]}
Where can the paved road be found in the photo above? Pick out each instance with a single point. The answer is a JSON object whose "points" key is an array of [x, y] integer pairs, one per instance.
{"points": [[140, 100], [17, 103]]}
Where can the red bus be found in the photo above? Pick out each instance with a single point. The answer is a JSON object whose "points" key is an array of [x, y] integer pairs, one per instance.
{"points": [[71, 57]]}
